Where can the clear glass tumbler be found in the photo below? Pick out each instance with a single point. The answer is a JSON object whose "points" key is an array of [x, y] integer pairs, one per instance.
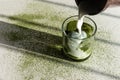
{"points": [[76, 46]]}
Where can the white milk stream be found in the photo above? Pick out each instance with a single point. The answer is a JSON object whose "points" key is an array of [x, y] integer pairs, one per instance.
{"points": [[79, 24], [75, 40]]}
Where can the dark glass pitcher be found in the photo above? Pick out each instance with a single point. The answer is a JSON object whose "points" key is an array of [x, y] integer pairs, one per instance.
{"points": [[93, 7]]}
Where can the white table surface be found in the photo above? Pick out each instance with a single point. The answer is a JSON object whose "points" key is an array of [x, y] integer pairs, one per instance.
{"points": [[30, 42]]}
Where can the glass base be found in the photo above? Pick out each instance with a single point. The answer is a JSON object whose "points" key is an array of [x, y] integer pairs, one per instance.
{"points": [[71, 55]]}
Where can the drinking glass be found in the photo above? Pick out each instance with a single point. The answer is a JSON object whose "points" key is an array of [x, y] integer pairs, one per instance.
{"points": [[76, 46]]}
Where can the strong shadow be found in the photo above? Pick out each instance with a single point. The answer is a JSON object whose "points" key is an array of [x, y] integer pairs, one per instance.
{"points": [[107, 42], [31, 40], [40, 42]]}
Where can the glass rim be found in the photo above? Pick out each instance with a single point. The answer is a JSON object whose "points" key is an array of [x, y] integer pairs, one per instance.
{"points": [[76, 16]]}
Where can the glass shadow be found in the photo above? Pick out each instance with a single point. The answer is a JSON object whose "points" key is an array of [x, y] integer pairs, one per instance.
{"points": [[31, 40]]}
